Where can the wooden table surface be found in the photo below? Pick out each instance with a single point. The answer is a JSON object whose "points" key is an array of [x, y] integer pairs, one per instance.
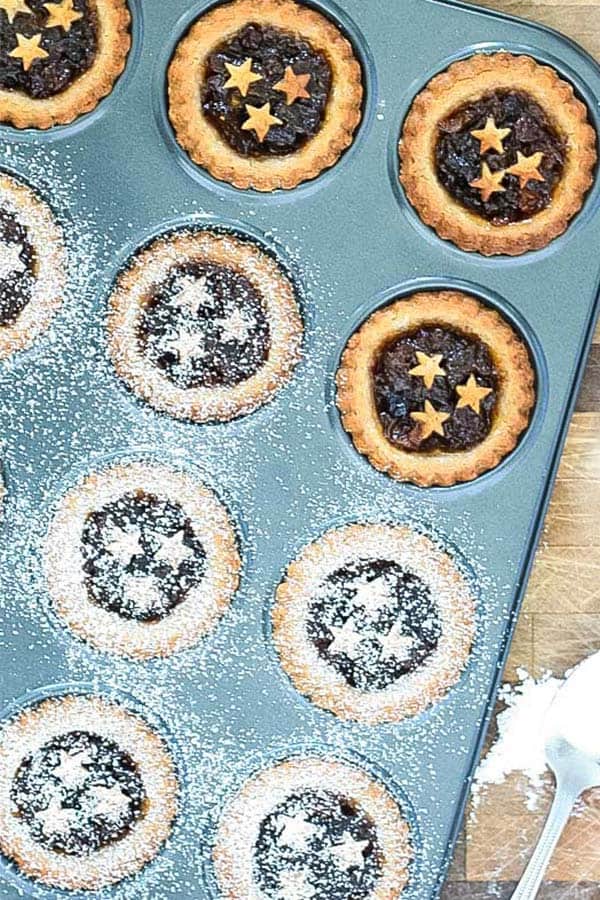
{"points": [[560, 622]]}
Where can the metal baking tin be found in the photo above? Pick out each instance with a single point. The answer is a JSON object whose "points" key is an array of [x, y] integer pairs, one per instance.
{"points": [[288, 472]]}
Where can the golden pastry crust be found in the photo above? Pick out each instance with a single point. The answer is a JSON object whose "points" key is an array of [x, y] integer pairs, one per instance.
{"points": [[240, 823], [84, 94], [204, 404], [29, 731], [516, 391], [411, 693], [202, 141], [46, 237], [186, 624], [466, 81]]}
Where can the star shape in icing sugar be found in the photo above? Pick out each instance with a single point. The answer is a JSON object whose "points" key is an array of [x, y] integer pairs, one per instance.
{"points": [[235, 327], [193, 293], [349, 854], [28, 50], [396, 644], [55, 819], [489, 182], [12, 8], [242, 76], [428, 369], [527, 168], [491, 137], [373, 595], [62, 15], [296, 831], [71, 768], [142, 592], [172, 549], [293, 885], [431, 420], [10, 259], [471, 394], [187, 346], [293, 86], [345, 639], [124, 545], [110, 803], [260, 120]]}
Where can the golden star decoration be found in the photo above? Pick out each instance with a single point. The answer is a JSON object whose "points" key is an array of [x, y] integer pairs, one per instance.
{"points": [[12, 8], [62, 15], [293, 86], [241, 77], [28, 50], [260, 120], [489, 182], [431, 420], [471, 394], [527, 168], [491, 137], [428, 368]]}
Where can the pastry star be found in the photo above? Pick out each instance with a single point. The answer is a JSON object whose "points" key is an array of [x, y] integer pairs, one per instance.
{"points": [[71, 769], [471, 394], [193, 293], [142, 592], [235, 327], [428, 369], [10, 259], [349, 854], [396, 644], [260, 120], [110, 803], [296, 831], [431, 420], [28, 50], [527, 168], [345, 639], [293, 86], [172, 549], [241, 77], [293, 885], [54, 819], [373, 595], [489, 182], [491, 137], [12, 8], [62, 15], [187, 345], [124, 545]]}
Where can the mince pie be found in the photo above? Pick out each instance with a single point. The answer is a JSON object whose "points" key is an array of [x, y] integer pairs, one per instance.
{"points": [[88, 792], [497, 154], [264, 95], [141, 560], [204, 326], [435, 388], [33, 265], [374, 622], [59, 59], [311, 828]]}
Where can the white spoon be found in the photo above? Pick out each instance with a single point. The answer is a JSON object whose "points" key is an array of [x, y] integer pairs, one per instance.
{"points": [[572, 735]]}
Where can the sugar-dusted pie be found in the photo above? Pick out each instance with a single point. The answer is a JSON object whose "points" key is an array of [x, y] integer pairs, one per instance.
{"points": [[313, 827], [374, 622], [264, 95], [435, 388], [204, 326], [59, 59], [88, 792], [141, 560], [33, 265], [497, 154]]}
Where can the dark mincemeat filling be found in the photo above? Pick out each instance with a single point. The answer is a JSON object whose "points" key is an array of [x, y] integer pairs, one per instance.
{"points": [[411, 609], [459, 161], [222, 360], [84, 817], [107, 577], [271, 51], [397, 393], [334, 818], [16, 286], [70, 53]]}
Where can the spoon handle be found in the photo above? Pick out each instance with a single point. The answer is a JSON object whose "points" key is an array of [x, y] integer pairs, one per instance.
{"points": [[562, 806]]}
